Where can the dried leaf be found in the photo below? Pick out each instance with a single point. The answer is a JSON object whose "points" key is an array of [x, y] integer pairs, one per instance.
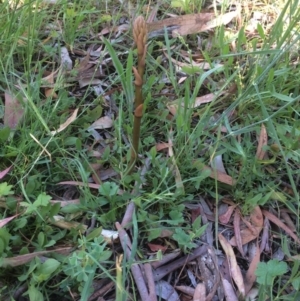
{"points": [[254, 228], [117, 29], [23, 259], [229, 290], [66, 124], [182, 79], [14, 110], [4, 172], [186, 289], [234, 268], [162, 145], [173, 105], [250, 275], [5, 221], [48, 81], [204, 99], [166, 291], [89, 81], [82, 184], [224, 270], [166, 233], [185, 20], [246, 235], [200, 24], [252, 294], [256, 217], [109, 235], [295, 257], [265, 237], [60, 221], [102, 123], [285, 217], [263, 141], [65, 59], [200, 292], [224, 218], [191, 277], [228, 201], [155, 247], [195, 212], [237, 231], [84, 64], [154, 11], [280, 224], [49, 91], [65, 203], [217, 163], [172, 108], [220, 176]]}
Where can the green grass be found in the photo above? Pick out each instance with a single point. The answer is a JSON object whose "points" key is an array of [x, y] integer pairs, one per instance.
{"points": [[265, 70]]}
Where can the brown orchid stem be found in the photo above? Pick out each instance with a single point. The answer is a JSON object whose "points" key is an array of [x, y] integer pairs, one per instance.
{"points": [[140, 38]]}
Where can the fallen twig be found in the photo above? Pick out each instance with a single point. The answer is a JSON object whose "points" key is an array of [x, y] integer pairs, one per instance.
{"points": [[135, 268], [166, 269]]}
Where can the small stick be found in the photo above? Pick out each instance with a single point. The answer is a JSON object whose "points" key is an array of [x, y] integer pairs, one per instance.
{"points": [[135, 268], [150, 281], [166, 269]]}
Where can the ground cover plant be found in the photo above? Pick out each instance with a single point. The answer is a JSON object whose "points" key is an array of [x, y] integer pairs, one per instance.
{"points": [[149, 151]]}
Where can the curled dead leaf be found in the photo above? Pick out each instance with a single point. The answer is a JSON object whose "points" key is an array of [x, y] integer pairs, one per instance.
{"points": [[4, 172], [67, 123], [220, 176], [200, 292], [263, 141], [235, 271], [13, 111], [162, 145], [104, 122], [5, 221]]}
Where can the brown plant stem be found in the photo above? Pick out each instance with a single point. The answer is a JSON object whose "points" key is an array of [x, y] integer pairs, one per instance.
{"points": [[135, 141], [140, 38]]}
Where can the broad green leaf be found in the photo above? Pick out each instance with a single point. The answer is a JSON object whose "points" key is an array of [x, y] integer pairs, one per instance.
{"points": [[103, 256], [184, 240], [154, 233], [95, 233], [41, 239], [4, 133], [49, 266], [176, 217], [196, 223], [296, 283], [109, 189], [5, 237], [35, 294], [5, 189], [266, 272], [42, 200]]}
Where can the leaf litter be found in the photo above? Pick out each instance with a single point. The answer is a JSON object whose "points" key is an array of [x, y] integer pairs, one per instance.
{"points": [[239, 230]]}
